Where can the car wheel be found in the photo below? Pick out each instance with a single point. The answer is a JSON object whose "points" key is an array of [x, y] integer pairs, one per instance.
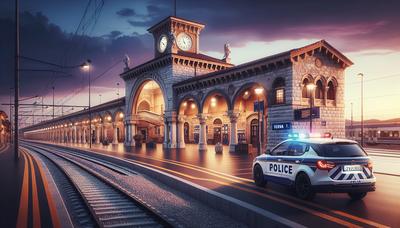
{"points": [[258, 176], [357, 195], [303, 187]]}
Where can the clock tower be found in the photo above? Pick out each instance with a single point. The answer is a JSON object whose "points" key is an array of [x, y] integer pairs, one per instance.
{"points": [[175, 35]]}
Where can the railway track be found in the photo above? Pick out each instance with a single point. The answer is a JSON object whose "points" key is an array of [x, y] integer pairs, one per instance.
{"points": [[109, 205]]}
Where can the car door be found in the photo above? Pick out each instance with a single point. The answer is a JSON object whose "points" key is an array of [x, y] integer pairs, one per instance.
{"points": [[293, 158], [274, 160]]}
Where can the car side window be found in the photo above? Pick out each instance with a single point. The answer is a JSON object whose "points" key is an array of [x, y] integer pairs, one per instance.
{"points": [[281, 149], [297, 149]]}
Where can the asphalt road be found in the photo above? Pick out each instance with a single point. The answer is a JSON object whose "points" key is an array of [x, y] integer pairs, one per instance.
{"points": [[230, 174]]}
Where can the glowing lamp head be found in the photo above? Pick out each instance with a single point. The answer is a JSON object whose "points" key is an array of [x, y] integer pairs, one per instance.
{"points": [[121, 115], [184, 104], [310, 86], [192, 106], [259, 90], [108, 118]]}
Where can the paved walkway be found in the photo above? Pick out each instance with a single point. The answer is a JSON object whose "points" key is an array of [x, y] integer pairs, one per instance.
{"points": [[25, 199]]}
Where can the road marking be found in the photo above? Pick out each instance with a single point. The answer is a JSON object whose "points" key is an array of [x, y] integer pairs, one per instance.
{"points": [[35, 198], [247, 181], [22, 219], [309, 210], [53, 212]]}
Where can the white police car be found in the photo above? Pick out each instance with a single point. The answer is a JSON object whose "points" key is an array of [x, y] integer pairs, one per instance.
{"points": [[317, 164]]}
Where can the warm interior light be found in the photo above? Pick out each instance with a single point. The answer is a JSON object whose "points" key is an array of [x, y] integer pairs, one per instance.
{"points": [[192, 106], [246, 93], [109, 118], [184, 104], [213, 102], [121, 115]]}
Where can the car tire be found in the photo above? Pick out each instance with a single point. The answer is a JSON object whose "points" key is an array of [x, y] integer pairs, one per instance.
{"points": [[303, 187], [258, 176], [357, 195]]}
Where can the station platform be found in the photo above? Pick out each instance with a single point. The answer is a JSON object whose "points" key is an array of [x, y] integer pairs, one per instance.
{"points": [[26, 197]]}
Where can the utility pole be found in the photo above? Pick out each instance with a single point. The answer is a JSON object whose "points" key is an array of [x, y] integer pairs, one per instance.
{"points": [[53, 101], [362, 108], [11, 127], [351, 122], [16, 80]]}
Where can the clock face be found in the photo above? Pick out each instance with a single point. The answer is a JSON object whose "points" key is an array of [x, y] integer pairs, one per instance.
{"points": [[184, 41], [162, 43]]}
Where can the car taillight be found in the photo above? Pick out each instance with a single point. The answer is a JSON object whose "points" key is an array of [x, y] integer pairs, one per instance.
{"points": [[369, 165], [325, 165]]}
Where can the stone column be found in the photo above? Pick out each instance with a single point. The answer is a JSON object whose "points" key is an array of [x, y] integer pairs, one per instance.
{"points": [[78, 139], [75, 135], [166, 134], [127, 133], [104, 132], [203, 134], [181, 131], [326, 95], [98, 130], [115, 134], [233, 141], [84, 136]]}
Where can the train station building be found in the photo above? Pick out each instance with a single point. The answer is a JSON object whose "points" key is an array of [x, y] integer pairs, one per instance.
{"points": [[183, 97]]}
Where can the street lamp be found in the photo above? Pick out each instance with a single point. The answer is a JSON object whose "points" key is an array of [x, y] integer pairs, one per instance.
{"points": [[258, 92], [310, 89], [362, 107], [86, 67]]}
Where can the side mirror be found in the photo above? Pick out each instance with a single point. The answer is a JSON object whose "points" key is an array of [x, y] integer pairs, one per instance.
{"points": [[268, 151]]}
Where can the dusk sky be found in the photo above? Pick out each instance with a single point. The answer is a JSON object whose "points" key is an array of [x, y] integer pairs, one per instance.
{"points": [[368, 32]]}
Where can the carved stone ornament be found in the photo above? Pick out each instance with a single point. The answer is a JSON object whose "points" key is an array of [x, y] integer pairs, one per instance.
{"points": [[200, 95], [231, 89], [318, 62]]}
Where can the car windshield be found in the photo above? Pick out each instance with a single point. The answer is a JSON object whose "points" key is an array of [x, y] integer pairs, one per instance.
{"points": [[340, 149]]}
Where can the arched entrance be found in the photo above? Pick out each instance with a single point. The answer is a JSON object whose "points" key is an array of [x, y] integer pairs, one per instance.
{"points": [[215, 108], [148, 111], [186, 130], [254, 132], [188, 123], [250, 104]]}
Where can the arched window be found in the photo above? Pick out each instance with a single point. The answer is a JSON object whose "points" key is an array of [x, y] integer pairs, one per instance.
{"points": [[304, 92], [319, 90], [144, 106], [279, 90], [331, 95]]}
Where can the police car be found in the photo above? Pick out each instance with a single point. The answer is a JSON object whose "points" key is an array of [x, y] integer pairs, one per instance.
{"points": [[317, 164]]}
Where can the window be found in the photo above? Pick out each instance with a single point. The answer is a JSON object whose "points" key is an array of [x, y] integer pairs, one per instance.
{"points": [[319, 90], [304, 92], [340, 149], [279, 90], [281, 149], [297, 149], [280, 96], [331, 91]]}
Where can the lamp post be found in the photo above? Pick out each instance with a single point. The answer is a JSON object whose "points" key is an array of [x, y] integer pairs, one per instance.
{"points": [[118, 90], [310, 89], [86, 67], [362, 108], [258, 92]]}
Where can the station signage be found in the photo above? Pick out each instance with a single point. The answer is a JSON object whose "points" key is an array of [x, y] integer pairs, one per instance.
{"points": [[259, 106], [281, 126], [304, 113]]}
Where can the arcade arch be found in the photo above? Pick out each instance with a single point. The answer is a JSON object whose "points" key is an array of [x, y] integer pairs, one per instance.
{"points": [[147, 112]]}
